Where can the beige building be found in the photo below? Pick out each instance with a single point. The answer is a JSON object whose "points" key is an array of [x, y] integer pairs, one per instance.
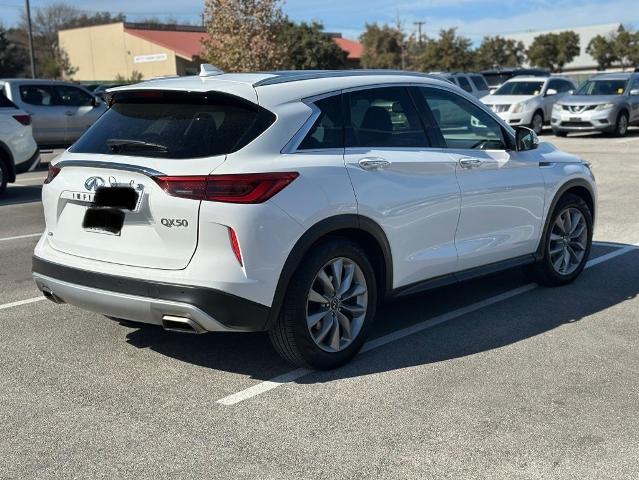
{"points": [[103, 52]]}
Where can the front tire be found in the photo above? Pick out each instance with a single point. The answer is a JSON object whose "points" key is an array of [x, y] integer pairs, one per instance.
{"points": [[567, 243], [537, 123], [4, 176], [621, 127], [329, 307]]}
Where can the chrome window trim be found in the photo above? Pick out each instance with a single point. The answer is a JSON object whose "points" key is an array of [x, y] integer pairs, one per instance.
{"points": [[149, 172]]}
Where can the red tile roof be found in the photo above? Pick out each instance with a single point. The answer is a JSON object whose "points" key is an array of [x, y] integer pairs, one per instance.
{"points": [[189, 44]]}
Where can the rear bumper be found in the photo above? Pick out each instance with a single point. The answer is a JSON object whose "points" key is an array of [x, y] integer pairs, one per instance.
{"points": [[147, 301]]}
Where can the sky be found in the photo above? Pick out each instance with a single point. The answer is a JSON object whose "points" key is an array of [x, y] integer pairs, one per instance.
{"points": [[474, 18]]}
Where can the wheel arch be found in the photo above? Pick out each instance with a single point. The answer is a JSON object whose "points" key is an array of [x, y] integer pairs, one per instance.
{"points": [[366, 232], [576, 186], [7, 158]]}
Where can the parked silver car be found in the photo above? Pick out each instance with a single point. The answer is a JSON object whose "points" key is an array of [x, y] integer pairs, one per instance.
{"points": [[528, 101], [60, 111], [605, 103], [473, 83]]}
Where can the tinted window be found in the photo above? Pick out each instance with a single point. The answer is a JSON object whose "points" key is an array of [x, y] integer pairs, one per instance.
{"points": [[174, 125], [327, 131], [37, 95], [635, 84], [464, 84], [463, 124], [479, 82], [5, 102], [383, 117], [516, 87], [72, 96]]}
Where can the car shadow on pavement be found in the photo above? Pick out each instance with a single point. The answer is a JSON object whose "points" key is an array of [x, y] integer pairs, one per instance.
{"points": [[502, 324], [16, 194]]}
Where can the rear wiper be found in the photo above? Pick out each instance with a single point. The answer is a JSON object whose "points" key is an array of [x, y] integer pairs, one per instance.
{"points": [[120, 144]]}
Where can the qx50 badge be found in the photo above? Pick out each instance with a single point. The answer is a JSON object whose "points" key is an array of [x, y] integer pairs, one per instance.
{"points": [[174, 222]]}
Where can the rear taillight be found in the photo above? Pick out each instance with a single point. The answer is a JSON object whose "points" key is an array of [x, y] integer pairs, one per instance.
{"points": [[53, 172], [236, 188], [23, 119]]}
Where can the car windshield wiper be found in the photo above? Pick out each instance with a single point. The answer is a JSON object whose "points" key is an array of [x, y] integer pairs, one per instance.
{"points": [[117, 145]]}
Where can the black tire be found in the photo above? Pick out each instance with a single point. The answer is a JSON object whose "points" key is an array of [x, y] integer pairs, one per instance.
{"points": [[4, 176], [560, 134], [537, 126], [621, 125], [291, 336], [543, 271]]}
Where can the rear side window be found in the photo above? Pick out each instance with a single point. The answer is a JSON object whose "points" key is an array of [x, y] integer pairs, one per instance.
{"points": [[37, 95], [5, 102], [383, 117], [328, 129], [479, 82], [73, 96], [175, 125], [464, 84]]}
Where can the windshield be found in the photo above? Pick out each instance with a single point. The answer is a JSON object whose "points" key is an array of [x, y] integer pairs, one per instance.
{"points": [[520, 88], [495, 79], [174, 125], [602, 87]]}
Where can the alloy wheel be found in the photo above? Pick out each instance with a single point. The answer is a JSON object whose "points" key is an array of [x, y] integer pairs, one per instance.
{"points": [[568, 241], [337, 304], [622, 127], [537, 123]]}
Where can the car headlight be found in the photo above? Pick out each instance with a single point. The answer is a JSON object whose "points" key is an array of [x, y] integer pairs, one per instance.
{"points": [[519, 107], [556, 108], [604, 106]]}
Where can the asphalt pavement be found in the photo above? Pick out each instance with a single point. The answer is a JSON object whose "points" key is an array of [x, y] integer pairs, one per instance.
{"points": [[494, 378]]}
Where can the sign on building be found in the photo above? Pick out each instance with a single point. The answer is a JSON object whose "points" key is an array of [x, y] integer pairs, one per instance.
{"points": [[156, 57]]}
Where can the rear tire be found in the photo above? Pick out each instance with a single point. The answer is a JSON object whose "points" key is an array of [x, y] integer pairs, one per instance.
{"points": [[621, 127], [567, 243], [329, 307], [4, 176]]}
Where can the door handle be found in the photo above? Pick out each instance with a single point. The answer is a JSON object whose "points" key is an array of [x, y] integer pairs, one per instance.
{"points": [[470, 162], [374, 163], [68, 113]]}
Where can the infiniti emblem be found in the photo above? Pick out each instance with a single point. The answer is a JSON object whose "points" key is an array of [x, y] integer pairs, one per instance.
{"points": [[92, 183]]}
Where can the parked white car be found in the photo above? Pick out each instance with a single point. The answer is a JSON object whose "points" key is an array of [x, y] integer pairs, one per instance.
{"points": [[528, 100], [18, 150], [294, 202]]}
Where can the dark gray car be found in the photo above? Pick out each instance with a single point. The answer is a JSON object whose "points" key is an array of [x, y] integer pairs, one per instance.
{"points": [[604, 103], [60, 111]]}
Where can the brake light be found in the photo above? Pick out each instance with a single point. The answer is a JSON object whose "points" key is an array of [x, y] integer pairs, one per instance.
{"points": [[235, 188], [23, 119], [53, 172], [235, 246]]}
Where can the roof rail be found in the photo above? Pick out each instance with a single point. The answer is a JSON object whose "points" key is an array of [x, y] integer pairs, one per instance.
{"points": [[208, 70], [299, 75]]}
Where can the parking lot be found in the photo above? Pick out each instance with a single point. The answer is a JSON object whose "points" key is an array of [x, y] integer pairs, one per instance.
{"points": [[494, 378]]}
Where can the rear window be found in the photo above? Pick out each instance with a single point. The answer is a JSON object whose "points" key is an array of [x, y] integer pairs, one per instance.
{"points": [[463, 83], [479, 82], [174, 125], [5, 102]]}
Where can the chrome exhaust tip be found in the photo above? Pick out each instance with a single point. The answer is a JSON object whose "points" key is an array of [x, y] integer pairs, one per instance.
{"points": [[173, 323]]}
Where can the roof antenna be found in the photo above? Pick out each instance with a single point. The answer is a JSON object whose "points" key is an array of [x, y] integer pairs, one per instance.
{"points": [[208, 70]]}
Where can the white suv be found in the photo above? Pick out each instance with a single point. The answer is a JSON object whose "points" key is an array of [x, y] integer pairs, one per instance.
{"points": [[294, 202], [18, 150]]}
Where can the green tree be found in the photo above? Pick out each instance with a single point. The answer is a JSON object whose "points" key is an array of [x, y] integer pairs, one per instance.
{"points": [[499, 52], [384, 47], [449, 52], [244, 34], [13, 57], [627, 47], [310, 48], [554, 50], [603, 50]]}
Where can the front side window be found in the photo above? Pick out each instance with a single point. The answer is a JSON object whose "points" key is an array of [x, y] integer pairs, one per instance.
{"points": [[464, 84], [383, 117], [463, 124], [517, 87], [327, 131], [73, 97], [41, 95], [602, 87], [173, 125]]}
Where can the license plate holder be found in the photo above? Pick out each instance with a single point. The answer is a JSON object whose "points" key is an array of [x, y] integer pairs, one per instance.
{"points": [[103, 220]]}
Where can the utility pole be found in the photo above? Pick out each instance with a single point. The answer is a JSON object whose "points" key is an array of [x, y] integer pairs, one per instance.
{"points": [[419, 31], [33, 70]]}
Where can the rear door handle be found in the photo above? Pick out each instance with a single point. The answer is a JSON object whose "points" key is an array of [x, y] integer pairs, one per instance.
{"points": [[374, 163], [68, 113], [470, 162]]}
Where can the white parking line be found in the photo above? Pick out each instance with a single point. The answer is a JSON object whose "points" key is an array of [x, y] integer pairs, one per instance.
{"points": [[293, 375], [627, 140], [18, 237], [22, 302]]}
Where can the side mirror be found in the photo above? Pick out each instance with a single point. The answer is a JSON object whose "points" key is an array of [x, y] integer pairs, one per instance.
{"points": [[634, 92], [525, 139], [95, 102], [551, 91]]}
